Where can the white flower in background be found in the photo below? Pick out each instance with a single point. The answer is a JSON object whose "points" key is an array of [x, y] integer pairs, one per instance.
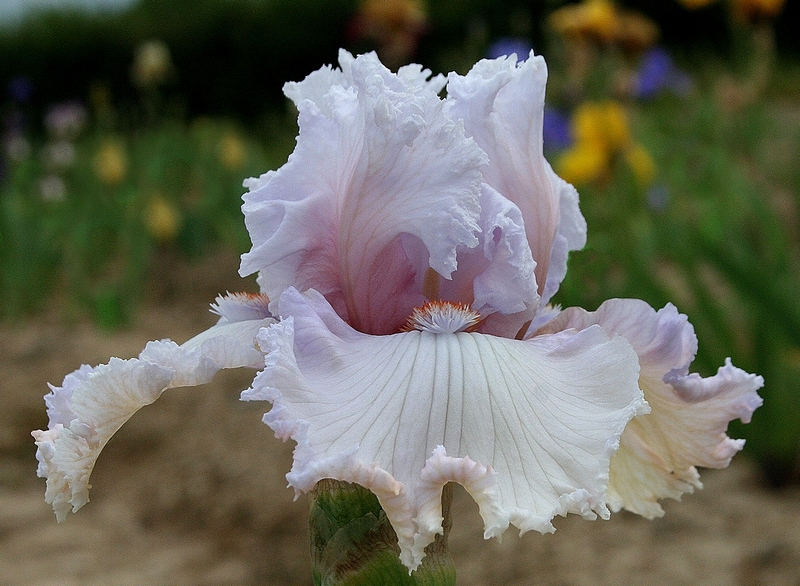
{"points": [[409, 247], [65, 120], [59, 154], [52, 188], [16, 147]]}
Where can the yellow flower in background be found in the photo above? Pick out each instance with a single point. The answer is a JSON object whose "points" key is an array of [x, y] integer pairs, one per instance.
{"points": [[584, 163], [232, 151], [111, 163], [152, 64], [162, 218], [641, 163], [604, 123], [602, 135], [594, 18], [604, 22]]}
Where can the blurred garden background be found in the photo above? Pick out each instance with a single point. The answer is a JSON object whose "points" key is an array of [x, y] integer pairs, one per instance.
{"points": [[128, 127]]}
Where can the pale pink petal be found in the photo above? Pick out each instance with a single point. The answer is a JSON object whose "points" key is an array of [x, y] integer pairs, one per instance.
{"points": [[570, 234], [527, 426], [93, 403], [690, 414], [497, 277], [501, 103], [377, 165]]}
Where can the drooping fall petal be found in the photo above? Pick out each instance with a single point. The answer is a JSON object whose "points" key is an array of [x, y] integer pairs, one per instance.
{"points": [[690, 414], [94, 402], [527, 426]]}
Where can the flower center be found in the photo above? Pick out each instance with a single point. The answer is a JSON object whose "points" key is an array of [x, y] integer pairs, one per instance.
{"points": [[442, 317]]}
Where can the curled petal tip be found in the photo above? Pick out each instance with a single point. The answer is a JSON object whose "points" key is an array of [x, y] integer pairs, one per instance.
{"points": [[94, 402], [687, 424]]}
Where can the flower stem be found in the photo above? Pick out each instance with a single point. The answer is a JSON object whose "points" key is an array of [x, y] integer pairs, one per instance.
{"points": [[353, 543]]}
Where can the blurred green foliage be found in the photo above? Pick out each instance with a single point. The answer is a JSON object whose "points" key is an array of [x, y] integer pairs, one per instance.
{"points": [[90, 244]]}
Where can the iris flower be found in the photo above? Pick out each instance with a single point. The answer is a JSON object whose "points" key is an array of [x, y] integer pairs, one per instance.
{"points": [[406, 254], [602, 136]]}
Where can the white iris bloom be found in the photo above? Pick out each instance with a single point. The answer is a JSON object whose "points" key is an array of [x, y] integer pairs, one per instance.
{"points": [[409, 247]]}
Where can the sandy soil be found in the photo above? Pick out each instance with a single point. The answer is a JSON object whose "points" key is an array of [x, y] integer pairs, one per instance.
{"points": [[191, 491]]}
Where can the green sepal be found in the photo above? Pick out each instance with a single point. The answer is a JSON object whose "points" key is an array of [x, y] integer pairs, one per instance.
{"points": [[353, 543]]}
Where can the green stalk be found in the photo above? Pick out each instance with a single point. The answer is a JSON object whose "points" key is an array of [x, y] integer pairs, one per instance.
{"points": [[353, 543]]}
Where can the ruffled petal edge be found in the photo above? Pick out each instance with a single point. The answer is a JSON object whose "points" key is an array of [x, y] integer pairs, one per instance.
{"points": [[94, 402]]}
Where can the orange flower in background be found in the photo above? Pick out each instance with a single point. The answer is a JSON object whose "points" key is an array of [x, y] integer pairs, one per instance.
{"points": [[603, 22], [394, 26], [636, 32], [393, 14], [756, 10], [696, 4], [596, 19], [745, 10]]}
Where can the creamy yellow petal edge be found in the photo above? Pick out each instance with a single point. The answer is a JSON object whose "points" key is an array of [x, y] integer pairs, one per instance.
{"points": [[687, 426]]}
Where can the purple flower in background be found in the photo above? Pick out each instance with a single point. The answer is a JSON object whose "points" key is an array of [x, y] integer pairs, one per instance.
{"points": [[556, 130], [505, 46], [20, 89], [658, 197], [657, 73]]}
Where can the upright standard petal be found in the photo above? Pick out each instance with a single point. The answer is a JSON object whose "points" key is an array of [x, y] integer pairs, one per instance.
{"points": [[378, 169], [690, 414], [496, 278], [501, 103], [528, 427], [94, 402]]}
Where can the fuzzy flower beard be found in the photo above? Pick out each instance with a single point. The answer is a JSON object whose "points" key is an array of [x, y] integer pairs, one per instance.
{"points": [[406, 253]]}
